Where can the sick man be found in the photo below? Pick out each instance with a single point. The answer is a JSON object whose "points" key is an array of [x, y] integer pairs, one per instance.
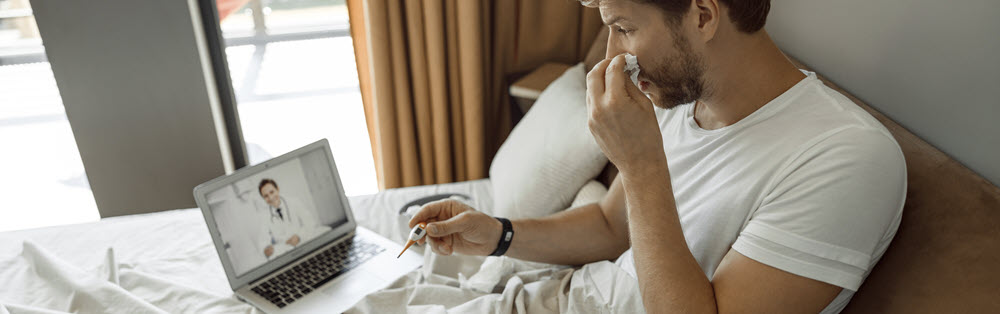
{"points": [[745, 184]]}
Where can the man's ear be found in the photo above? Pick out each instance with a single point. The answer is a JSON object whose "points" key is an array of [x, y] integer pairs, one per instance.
{"points": [[709, 15]]}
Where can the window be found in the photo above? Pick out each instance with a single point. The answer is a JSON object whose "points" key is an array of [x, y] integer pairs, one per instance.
{"points": [[41, 174], [293, 70]]}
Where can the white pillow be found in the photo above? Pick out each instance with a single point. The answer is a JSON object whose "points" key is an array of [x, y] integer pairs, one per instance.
{"points": [[591, 192], [549, 155]]}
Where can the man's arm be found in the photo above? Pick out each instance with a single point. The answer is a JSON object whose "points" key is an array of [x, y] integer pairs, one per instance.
{"points": [[581, 235], [575, 236], [673, 281]]}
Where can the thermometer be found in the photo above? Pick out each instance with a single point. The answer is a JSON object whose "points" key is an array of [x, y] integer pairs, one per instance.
{"points": [[416, 234]]}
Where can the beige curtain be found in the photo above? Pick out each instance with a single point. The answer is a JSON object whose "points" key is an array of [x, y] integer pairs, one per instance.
{"points": [[434, 75]]}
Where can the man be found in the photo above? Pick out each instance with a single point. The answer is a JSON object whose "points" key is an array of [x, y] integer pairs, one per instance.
{"points": [[745, 185], [288, 224]]}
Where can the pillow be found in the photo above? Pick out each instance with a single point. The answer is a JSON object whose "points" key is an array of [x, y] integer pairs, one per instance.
{"points": [[591, 192], [549, 155]]}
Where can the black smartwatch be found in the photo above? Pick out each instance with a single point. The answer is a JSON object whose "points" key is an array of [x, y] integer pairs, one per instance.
{"points": [[505, 237]]}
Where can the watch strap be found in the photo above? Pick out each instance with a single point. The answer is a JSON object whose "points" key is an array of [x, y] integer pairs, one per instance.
{"points": [[506, 237]]}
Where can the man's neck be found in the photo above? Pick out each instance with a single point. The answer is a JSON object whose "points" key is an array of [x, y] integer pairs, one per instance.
{"points": [[740, 83]]}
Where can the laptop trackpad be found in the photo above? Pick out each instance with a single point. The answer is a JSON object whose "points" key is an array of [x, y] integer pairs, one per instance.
{"points": [[358, 283]]}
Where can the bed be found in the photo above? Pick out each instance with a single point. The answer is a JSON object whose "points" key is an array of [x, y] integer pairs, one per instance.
{"points": [[159, 262], [165, 262]]}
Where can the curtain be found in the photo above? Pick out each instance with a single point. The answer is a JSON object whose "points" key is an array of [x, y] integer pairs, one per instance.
{"points": [[434, 75]]}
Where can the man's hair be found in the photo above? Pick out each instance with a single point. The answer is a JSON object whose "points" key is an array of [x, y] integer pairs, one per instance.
{"points": [[266, 182], [748, 15]]}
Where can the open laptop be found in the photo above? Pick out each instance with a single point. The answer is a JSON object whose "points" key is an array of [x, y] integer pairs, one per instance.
{"points": [[288, 240]]}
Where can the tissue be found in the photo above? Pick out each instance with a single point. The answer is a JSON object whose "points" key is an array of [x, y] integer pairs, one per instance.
{"points": [[632, 68], [493, 269]]}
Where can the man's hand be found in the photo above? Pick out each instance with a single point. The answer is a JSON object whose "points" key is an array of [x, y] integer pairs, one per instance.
{"points": [[293, 241], [622, 118], [453, 227], [268, 251]]}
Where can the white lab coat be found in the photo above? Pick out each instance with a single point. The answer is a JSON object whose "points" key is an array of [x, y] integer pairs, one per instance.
{"points": [[296, 220]]}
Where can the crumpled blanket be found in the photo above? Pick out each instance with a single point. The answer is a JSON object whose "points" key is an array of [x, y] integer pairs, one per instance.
{"points": [[37, 281], [474, 284], [452, 284]]}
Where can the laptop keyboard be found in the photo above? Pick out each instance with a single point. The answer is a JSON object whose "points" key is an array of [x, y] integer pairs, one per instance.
{"points": [[319, 269]]}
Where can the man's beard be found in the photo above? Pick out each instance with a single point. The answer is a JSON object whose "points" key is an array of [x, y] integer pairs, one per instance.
{"points": [[679, 79]]}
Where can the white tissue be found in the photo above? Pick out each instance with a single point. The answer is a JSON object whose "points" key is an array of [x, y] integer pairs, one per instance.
{"points": [[493, 269], [632, 68]]}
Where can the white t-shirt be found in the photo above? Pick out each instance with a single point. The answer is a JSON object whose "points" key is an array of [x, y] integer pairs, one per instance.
{"points": [[809, 183]]}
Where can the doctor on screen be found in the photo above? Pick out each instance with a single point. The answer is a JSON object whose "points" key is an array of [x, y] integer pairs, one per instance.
{"points": [[290, 223]]}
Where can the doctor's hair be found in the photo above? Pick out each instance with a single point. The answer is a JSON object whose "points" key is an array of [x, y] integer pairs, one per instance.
{"points": [[748, 15], [266, 182]]}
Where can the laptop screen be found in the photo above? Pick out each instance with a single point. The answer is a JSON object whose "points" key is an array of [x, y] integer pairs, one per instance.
{"points": [[277, 210]]}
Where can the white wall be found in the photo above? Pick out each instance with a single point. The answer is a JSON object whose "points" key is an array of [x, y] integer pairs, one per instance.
{"points": [[931, 65], [139, 94]]}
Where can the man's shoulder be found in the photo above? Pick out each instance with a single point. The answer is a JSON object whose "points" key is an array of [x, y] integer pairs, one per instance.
{"points": [[857, 142], [824, 133], [820, 115]]}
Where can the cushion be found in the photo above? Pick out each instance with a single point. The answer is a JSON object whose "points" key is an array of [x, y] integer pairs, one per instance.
{"points": [[549, 155], [591, 192]]}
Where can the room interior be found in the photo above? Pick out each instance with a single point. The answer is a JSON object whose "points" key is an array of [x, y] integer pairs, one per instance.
{"points": [[469, 98]]}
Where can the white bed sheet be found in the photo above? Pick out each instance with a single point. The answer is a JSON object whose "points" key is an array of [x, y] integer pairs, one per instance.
{"points": [[474, 284], [169, 250], [166, 263]]}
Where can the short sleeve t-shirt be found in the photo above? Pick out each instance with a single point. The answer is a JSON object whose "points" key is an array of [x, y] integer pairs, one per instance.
{"points": [[809, 183]]}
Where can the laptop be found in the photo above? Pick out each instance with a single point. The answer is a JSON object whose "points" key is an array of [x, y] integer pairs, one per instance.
{"points": [[288, 240]]}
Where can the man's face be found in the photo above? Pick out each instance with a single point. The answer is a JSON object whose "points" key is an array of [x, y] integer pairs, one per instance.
{"points": [[671, 72], [270, 195]]}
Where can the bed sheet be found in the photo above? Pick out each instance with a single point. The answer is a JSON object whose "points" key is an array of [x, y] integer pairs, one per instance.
{"points": [[166, 263], [154, 263], [475, 284]]}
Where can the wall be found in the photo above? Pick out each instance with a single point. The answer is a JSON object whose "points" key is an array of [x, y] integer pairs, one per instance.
{"points": [[933, 66], [138, 89]]}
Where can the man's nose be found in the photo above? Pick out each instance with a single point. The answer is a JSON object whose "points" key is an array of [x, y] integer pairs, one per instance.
{"points": [[613, 49]]}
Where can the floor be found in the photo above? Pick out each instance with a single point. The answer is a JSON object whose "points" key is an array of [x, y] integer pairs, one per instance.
{"points": [[298, 92]]}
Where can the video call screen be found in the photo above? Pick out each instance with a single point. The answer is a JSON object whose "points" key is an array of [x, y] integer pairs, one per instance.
{"points": [[275, 211]]}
